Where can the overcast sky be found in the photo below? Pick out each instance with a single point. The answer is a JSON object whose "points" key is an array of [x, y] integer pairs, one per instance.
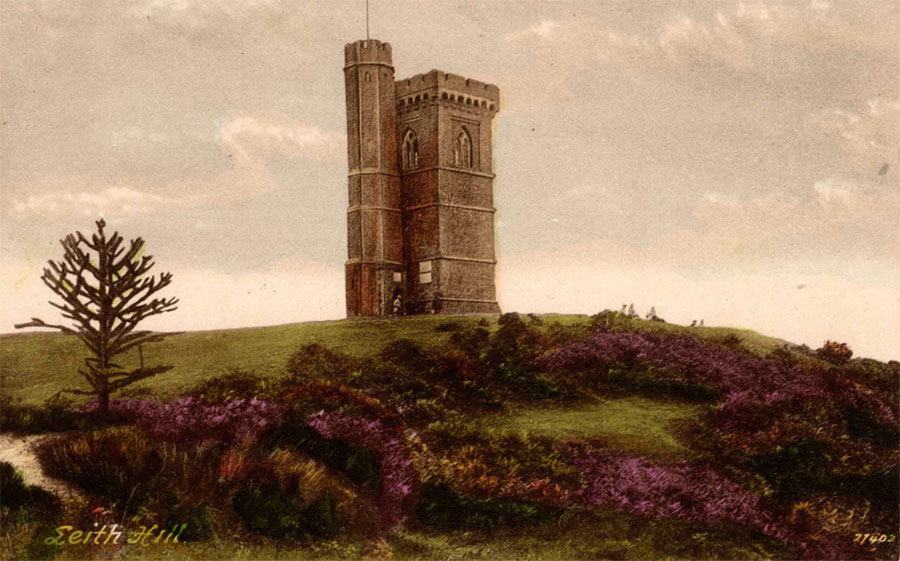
{"points": [[736, 162]]}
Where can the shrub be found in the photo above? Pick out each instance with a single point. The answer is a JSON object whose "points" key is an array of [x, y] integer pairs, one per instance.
{"points": [[535, 320], [268, 510], [681, 490], [315, 362], [443, 508], [834, 352], [358, 463], [471, 341], [235, 383], [118, 464], [188, 419], [607, 320], [885, 377], [448, 326], [308, 481], [495, 464], [56, 416], [729, 340], [30, 507], [509, 358], [133, 472], [559, 334], [399, 479], [331, 396], [405, 354], [794, 468]]}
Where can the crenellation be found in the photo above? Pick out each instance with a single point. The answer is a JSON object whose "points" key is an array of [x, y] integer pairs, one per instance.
{"points": [[367, 52]]}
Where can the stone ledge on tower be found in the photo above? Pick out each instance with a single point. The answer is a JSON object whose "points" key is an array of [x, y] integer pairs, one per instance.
{"points": [[367, 52], [449, 87]]}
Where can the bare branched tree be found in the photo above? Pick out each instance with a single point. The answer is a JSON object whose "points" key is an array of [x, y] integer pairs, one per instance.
{"points": [[106, 292]]}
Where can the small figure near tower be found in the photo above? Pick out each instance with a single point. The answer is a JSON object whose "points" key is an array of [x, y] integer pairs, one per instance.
{"points": [[421, 214]]}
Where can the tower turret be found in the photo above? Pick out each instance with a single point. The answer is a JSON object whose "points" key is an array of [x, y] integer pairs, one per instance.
{"points": [[375, 272]]}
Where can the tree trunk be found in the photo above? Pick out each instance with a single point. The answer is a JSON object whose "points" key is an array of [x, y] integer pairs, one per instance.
{"points": [[103, 403]]}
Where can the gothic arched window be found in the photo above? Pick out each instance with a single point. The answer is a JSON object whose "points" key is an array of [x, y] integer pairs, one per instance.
{"points": [[462, 151], [410, 155]]}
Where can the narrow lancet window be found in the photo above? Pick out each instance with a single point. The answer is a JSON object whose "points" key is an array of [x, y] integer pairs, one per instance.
{"points": [[462, 151], [410, 154]]}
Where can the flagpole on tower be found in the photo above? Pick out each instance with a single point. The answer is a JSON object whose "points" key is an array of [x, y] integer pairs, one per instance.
{"points": [[367, 20]]}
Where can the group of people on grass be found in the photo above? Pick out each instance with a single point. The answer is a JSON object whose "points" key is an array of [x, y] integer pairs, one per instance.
{"points": [[397, 305]]}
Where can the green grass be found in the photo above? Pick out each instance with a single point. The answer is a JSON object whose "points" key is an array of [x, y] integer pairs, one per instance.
{"points": [[631, 424], [601, 534], [604, 534], [33, 366]]}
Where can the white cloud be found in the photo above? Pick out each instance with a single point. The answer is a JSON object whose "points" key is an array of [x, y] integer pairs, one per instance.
{"points": [[251, 143], [833, 190], [194, 13], [115, 200], [870, 134], [542, 30], [254, 138]]}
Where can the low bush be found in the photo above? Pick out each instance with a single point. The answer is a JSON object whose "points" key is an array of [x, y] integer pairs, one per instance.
{"points": [[235, 383], [399, 479], [189, 419], [58, 416], [27, 507], [317, 363], [358, 463], [132, 471], [608, 320], [472, 342], [443, 508], [406, 355], [330, 396], [308, 481], [495, 464], [267, 509], [680, 490], [559, 334], [834, 352]]}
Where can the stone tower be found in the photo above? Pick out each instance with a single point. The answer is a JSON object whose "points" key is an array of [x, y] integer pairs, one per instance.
{"points": [[421, 219]]}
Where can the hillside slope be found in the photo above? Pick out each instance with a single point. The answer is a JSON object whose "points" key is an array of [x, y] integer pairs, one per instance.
{"points": [[33, 366], [551, 437]]}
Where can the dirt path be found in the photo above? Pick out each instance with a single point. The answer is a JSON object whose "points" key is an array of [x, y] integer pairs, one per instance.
{"points": [[17, 450]]}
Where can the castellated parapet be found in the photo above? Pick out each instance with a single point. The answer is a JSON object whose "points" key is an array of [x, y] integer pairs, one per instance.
{"points": [[420, 222]]}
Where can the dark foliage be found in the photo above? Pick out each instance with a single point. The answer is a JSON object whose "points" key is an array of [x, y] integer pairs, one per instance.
{"points": [[316, 362], [834, 352], [443, 508], [28, 504], [448, 326], [235, 383], [358, 463], [266, 509], [56, 416], [471, 341]]}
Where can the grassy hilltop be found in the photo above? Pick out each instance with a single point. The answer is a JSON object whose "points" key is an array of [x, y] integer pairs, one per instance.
{"points": [[35, 365], [551, 437]]}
